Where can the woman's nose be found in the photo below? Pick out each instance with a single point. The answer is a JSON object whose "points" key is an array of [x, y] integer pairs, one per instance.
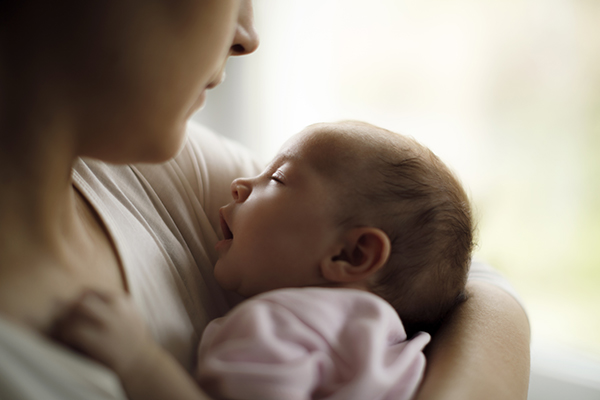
{"points": [[240, 190], [245, 40]]}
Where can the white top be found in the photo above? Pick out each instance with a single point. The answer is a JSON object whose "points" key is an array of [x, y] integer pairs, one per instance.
{"points": [[164, 222]]}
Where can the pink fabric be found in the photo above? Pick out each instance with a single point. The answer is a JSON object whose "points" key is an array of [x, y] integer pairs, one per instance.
{"points": [[311, 343]]}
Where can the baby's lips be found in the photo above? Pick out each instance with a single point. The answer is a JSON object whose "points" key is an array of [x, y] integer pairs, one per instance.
{"points": [[227, 234]]}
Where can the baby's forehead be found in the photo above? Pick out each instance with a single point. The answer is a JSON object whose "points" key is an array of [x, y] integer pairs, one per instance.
{"points": [[324, 150], [326, 143], [345, 144], [347, 159]]}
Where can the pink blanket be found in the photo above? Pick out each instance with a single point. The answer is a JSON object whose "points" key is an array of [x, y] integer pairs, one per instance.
{"points": [[311, 343]]}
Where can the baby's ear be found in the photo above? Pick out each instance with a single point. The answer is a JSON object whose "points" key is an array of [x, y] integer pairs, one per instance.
{"points": [[365, 250]]}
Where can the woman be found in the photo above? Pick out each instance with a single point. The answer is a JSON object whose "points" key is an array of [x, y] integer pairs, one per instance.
{"points": [[94, 98]]}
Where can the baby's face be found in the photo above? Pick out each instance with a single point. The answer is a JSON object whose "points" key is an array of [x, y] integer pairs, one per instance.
{"points": [[281, 224]]}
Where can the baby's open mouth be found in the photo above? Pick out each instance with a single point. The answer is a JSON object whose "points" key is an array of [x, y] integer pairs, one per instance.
{"points": [[227, 234]]}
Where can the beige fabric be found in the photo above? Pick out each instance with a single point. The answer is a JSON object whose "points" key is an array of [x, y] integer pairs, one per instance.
{"points": [[164, 221], [33, 368]]}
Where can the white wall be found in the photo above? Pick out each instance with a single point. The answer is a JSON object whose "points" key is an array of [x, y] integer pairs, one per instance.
{"points": [[563, 374]]}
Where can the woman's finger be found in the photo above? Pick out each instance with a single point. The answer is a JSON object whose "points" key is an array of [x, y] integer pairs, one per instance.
{"points": [[97, 307], [78, 332]]}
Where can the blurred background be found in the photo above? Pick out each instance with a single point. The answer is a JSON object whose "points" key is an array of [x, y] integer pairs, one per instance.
{"points": [[507, 92]]}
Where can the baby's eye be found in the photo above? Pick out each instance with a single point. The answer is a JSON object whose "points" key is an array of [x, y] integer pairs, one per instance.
{"points": [[278, 177]]}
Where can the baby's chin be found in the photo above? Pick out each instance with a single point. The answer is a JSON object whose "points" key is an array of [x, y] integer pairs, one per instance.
{"points": [[225, 278]]}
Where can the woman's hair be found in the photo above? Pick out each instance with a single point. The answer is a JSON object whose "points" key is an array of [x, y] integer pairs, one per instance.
{"points": [[421, 205], [7, 8]]}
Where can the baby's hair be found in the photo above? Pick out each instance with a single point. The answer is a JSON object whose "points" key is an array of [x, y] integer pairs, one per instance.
{"points": [[409, 193]]}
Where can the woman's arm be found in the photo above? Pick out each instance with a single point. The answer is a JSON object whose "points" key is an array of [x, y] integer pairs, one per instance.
{"points": [[481, 351]]}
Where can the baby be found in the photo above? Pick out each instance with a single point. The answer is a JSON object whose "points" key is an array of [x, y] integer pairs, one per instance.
{"points": [[349, 244]]}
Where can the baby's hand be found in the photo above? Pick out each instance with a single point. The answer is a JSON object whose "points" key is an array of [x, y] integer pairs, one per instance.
{"points": [[108, 328]]}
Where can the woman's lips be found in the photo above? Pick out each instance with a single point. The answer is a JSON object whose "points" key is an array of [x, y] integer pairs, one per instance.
{"points": [[200, 101], [217, 81]]}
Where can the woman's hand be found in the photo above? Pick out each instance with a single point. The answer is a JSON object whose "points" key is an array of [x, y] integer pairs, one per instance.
{"points": [[481, 351], [108, 328]]}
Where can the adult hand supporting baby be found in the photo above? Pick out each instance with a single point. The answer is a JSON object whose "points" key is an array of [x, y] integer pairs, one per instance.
{"points": [[108, 328], [481, 351]]}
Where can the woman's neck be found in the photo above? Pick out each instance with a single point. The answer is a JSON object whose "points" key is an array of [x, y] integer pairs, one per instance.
{"points": [[36, 211], [37, 149], [36, 198], [52, 243]]}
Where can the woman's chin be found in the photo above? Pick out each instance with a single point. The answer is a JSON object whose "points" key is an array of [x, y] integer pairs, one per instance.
{"points": [[158, 153], [165, 145], [198, 105]]}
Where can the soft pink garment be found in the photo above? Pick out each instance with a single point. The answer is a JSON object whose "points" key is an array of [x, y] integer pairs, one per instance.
{"points": [[311, 343]]}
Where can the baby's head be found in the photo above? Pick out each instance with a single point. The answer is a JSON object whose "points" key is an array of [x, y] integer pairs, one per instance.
{"points": [[356, 206]]}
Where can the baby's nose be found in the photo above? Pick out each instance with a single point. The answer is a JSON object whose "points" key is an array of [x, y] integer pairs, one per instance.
{"points": [[240, 189]]}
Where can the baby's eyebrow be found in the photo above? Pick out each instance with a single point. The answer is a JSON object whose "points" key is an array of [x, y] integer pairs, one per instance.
{"points": [[281, 159]]}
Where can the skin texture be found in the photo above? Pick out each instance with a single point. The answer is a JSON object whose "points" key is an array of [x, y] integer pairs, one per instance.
{"points": [[102, 325], [122, 95], [85, 89], [280, 231], [482, 351], [281, 228], [460, 364], [274, 218], [147, 74]]}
